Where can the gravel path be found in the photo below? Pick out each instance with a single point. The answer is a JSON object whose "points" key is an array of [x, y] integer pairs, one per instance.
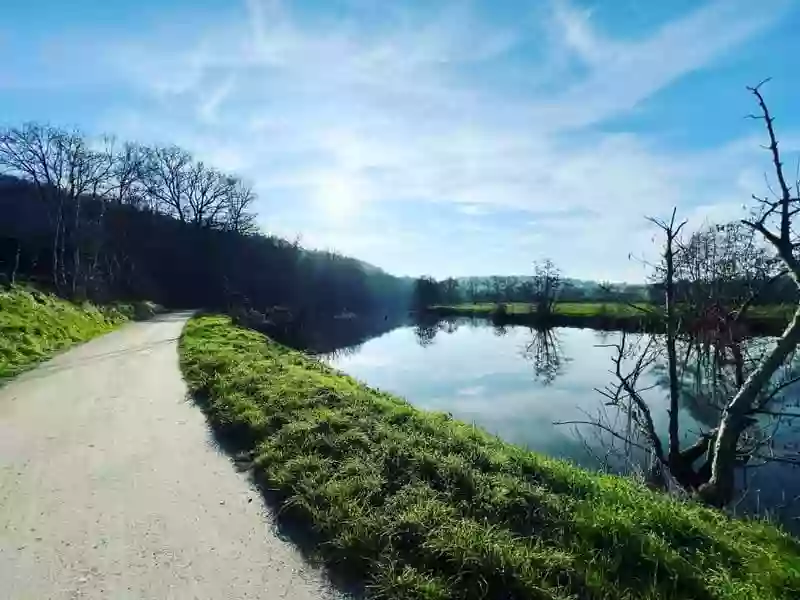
{"points": [[111, 486]]}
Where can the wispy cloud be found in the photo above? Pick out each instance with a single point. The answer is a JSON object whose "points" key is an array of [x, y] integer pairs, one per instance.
{"points": [[334, 117], [624, 73]]}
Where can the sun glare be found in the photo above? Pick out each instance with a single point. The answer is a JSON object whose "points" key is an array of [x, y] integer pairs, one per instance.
{"points": [[340, 196]]}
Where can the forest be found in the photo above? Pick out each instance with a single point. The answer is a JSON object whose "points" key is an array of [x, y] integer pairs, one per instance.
{"points": [[96, 219]]}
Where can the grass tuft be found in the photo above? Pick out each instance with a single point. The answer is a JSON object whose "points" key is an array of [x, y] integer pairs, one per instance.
{"points": [[417, 505], [34, 326]]}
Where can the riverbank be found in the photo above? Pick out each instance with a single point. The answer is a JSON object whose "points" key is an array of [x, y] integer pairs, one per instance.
{"points": [[611, 316], [416, 505], [35, 325]]}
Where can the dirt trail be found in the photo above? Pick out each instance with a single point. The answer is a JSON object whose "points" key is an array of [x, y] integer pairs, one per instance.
{"points": [[111, 486]]}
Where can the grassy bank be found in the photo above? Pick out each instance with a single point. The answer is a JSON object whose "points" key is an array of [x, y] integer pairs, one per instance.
{"points": [[568, 309], [417, 505], [606, 315], [34, 326]]}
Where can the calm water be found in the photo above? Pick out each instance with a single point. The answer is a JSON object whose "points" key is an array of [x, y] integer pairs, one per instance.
{"points": [[502, 382]]}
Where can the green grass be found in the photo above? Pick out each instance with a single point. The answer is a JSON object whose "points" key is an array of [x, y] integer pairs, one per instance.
{"points": [[417, 505], [775, 311], [615, 310], [34, 326], [568, 309]]}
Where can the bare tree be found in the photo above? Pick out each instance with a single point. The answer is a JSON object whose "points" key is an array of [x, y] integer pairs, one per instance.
{"points": [[194, 193], [64, 169], [546, 285], [472, 290], [773, 219], [497, 287], [208, 195], [709, 282], [450, 291], [671, 233], [722, 270], [165, 175], [239, 201], [126, 186]]}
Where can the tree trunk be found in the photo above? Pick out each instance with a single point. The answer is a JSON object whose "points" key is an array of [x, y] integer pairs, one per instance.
{"points": [[16, 263], [56, 246], [672, 357], [76, 250], [719, 490]]}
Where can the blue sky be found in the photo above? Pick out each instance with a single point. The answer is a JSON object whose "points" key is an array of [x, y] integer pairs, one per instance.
{"points": [[440, 137]]}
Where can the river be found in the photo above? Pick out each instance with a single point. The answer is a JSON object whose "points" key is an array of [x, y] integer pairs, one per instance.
{"points": [[517, 382]]}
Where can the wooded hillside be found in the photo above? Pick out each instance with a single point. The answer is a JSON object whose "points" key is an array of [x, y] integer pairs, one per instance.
{"points": [[93, 219]]}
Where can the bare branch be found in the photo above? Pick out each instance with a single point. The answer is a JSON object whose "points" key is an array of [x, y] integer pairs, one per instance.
{"points": [[785, 193], [608, 430]]}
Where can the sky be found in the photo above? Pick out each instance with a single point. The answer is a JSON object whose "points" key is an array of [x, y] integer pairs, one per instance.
{"points": [[438, 137]]}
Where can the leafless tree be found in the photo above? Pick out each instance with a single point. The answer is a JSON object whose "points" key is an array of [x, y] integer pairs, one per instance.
{"points": [[208, 194], [497, 286], [64, 169], [238, 215], [709, 282], [472, 290], [165, 175], [546, 285], [773, 219], [126, 186], [672, 231], [722, 269], [194, 193]]}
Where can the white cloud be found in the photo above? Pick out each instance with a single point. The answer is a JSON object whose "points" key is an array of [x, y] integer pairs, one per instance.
{"points": [[624, 73], [340, 115]]}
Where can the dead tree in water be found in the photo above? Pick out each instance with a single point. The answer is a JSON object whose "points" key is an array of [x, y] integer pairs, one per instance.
{"points": [[710, 282], [773, 220]]}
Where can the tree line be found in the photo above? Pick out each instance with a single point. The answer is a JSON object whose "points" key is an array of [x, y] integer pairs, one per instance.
{"points": [[99, 219], [694, 281], [542, 288]]}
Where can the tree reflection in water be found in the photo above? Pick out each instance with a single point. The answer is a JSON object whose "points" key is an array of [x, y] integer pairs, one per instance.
{"points": [[631, 428], [427, 327], [546, 353], [425, 334]]}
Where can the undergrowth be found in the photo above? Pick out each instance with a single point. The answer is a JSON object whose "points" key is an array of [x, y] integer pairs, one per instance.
{"points": [[417, 505], [35, 325]]}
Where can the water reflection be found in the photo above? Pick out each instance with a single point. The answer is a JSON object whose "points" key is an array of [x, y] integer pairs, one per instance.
{"points": [[339, 336], [543, 350], [425, 334], [517, 381], [546, 353]]}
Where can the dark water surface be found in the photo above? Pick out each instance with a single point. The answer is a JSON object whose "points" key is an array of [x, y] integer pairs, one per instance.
{"points": [[516, 382]]}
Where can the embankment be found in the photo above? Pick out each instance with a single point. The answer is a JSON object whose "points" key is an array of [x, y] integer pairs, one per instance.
{"points": [[35, 325], [760, 320], [416, 505]]}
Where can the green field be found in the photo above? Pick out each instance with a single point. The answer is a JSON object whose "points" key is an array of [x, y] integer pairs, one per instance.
{"points": [[582, 309], [34, 326], [616, 310], [417, 505]]}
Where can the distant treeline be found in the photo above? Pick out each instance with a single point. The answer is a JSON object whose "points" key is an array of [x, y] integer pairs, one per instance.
{"points": [[523, 289], [93, 219]]}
